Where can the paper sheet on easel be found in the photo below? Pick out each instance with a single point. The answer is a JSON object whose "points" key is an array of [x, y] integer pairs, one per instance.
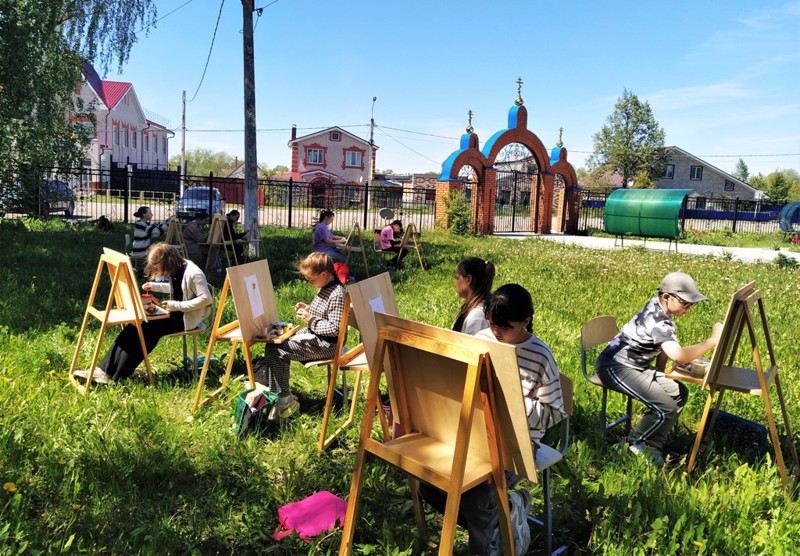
{"points": [[254, 295], [377, 305]]}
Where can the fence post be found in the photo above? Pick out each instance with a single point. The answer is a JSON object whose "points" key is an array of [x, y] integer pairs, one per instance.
{"points": [[128, 178], [735, 214], [291, 182], [366, 204], [210, 194]]}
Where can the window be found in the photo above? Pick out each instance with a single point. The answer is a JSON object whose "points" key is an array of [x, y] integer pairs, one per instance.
{"points": [[696, 173], [116, 135], [669, 171], [352, 159], [336, 136], [146, 141], [124, 137], [155, 143], [133, 139], [314, 156], [728, 185], [164, 150]]}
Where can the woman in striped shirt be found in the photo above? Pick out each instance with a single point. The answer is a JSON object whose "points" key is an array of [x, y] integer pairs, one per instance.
{"points": [[144, 232]]}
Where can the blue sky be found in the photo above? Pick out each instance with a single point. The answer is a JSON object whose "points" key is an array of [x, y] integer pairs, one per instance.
{"points": [[722, 78]]}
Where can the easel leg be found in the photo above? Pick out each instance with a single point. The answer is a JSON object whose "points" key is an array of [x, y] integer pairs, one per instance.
{"points": [[450, 521], [202, 380], [789, 437], [249, 362], [700, 429], [419, 514], [773, 432]]}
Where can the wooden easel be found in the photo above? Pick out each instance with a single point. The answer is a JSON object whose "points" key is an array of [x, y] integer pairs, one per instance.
{"points": [[745, 309], [124, 306], [349, 246], [216, 240], [174, 236], [461, 409], [256, 312], [411, 234]]}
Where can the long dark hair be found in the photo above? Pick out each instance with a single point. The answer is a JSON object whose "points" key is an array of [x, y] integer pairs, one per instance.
{"points": [[327, 213], [163, 260], [509, 303], [481, 273]]}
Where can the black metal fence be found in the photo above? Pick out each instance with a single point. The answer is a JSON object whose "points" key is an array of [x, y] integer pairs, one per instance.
{"points": [[118, 192], [697, 213]]}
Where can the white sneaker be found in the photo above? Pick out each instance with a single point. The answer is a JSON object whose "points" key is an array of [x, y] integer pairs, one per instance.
{"points": [[284, 407], [520, 502], [99, 376], [652, 455]]}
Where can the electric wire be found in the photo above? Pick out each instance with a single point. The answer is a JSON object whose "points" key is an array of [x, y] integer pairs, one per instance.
{"points": [[211, 48]]}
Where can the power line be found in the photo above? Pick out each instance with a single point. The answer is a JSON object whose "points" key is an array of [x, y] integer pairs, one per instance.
{"points": [[409, 148], [173, 11], [208, 59]]}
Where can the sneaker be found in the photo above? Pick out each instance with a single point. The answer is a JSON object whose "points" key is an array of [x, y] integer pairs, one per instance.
{"points": [[99, 376], [284, 407], [520, 502], [652, 455]]}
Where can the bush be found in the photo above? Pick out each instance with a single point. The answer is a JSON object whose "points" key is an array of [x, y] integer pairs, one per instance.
{"points": [[458, 213]]}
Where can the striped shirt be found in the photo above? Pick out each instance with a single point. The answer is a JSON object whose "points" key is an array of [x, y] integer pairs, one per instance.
{"points": [[143, 233], [541, 385]]}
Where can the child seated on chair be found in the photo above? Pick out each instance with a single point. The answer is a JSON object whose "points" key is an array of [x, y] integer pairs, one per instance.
{"points": [[229, 233], [389, 243], [625, 365], [325, 241], [189, 304], [144, 232], [316, 341], [509, 313]]}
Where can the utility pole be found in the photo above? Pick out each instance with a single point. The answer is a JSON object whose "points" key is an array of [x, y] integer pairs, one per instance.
{"points": [[371, 143], [183, 144], [250, 152]]}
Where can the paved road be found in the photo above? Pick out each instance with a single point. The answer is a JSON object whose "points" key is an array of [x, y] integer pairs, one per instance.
{"points": [[745, 254]]}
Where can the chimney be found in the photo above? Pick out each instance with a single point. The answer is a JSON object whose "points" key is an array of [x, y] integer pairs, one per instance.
{"points": [[294, 132]]}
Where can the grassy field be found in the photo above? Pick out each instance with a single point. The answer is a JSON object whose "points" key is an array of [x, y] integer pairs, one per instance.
{"points": [[129, 470]]}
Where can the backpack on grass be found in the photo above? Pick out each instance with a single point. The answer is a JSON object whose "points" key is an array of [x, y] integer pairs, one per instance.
{"points": [[250, 416]]}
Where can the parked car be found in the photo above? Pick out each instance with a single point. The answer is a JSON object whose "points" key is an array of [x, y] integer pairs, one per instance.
{"points": [[195, 199], [51, 197]]}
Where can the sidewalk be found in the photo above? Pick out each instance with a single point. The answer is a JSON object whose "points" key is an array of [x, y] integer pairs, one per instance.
{"points": [[744, 254]]}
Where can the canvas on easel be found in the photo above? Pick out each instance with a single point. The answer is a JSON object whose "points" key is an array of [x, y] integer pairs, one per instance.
{"points": [[256, 311], [174, 236], [123, 306], [726, 373], [349, 246], [460, 404], [216, 241], [367, 297]]}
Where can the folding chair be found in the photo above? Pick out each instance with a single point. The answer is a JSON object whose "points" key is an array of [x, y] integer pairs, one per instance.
{"points": [[597, 332], [547, 456], [353, 359], [194, 332], [376, 246]]}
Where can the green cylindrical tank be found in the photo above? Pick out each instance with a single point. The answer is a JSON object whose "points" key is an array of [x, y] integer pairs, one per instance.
{"points": [[644, 212]]}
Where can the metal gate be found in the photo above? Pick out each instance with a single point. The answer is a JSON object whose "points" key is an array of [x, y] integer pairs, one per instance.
{"points": [[515, 193]]}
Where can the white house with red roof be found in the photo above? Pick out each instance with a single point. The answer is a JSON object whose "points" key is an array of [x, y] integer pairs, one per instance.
{"points": [[123, 132]]}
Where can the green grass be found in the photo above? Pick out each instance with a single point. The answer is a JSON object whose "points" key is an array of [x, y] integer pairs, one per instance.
{"points": [[128, 469]]}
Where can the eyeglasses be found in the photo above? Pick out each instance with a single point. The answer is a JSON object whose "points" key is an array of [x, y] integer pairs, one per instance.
{"points": [[685, 304]]}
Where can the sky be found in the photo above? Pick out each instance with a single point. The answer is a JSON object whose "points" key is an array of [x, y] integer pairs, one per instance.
{"points": [[722, 78]]}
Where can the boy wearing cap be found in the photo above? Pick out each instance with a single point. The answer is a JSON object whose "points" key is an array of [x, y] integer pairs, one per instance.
{"points": [[625, 364]]}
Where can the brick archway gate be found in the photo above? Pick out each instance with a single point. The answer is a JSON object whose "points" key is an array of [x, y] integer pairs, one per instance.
{"points": [[535, 174]]}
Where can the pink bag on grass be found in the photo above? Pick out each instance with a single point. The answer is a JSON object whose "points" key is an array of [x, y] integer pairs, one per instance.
{"points": [[311, 516]]}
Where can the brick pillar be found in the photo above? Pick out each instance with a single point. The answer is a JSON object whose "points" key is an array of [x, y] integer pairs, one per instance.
{"points": [[558, 209], [484, 213], [443, 190], [544, 225], [572, 198]]}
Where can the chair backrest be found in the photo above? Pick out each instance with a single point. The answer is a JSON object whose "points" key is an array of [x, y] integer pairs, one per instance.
{"points": [[128, 244], [596, 332], [376, 241], [567, 392]]}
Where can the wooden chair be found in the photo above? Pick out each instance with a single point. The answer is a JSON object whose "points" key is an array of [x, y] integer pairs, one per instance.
{"points": [[353, 359], [199, 329], [547, 456], [598, 332], [409, 242], [376, 246]]}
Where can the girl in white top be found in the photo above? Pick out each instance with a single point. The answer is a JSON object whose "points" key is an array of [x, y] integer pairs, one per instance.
{"points": [[474, 278]]}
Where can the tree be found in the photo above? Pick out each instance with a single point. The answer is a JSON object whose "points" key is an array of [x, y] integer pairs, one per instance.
{"points": [[777, 186], [201, 162], [43, 46], [278, 169], [741, 172], [631, 142]]}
